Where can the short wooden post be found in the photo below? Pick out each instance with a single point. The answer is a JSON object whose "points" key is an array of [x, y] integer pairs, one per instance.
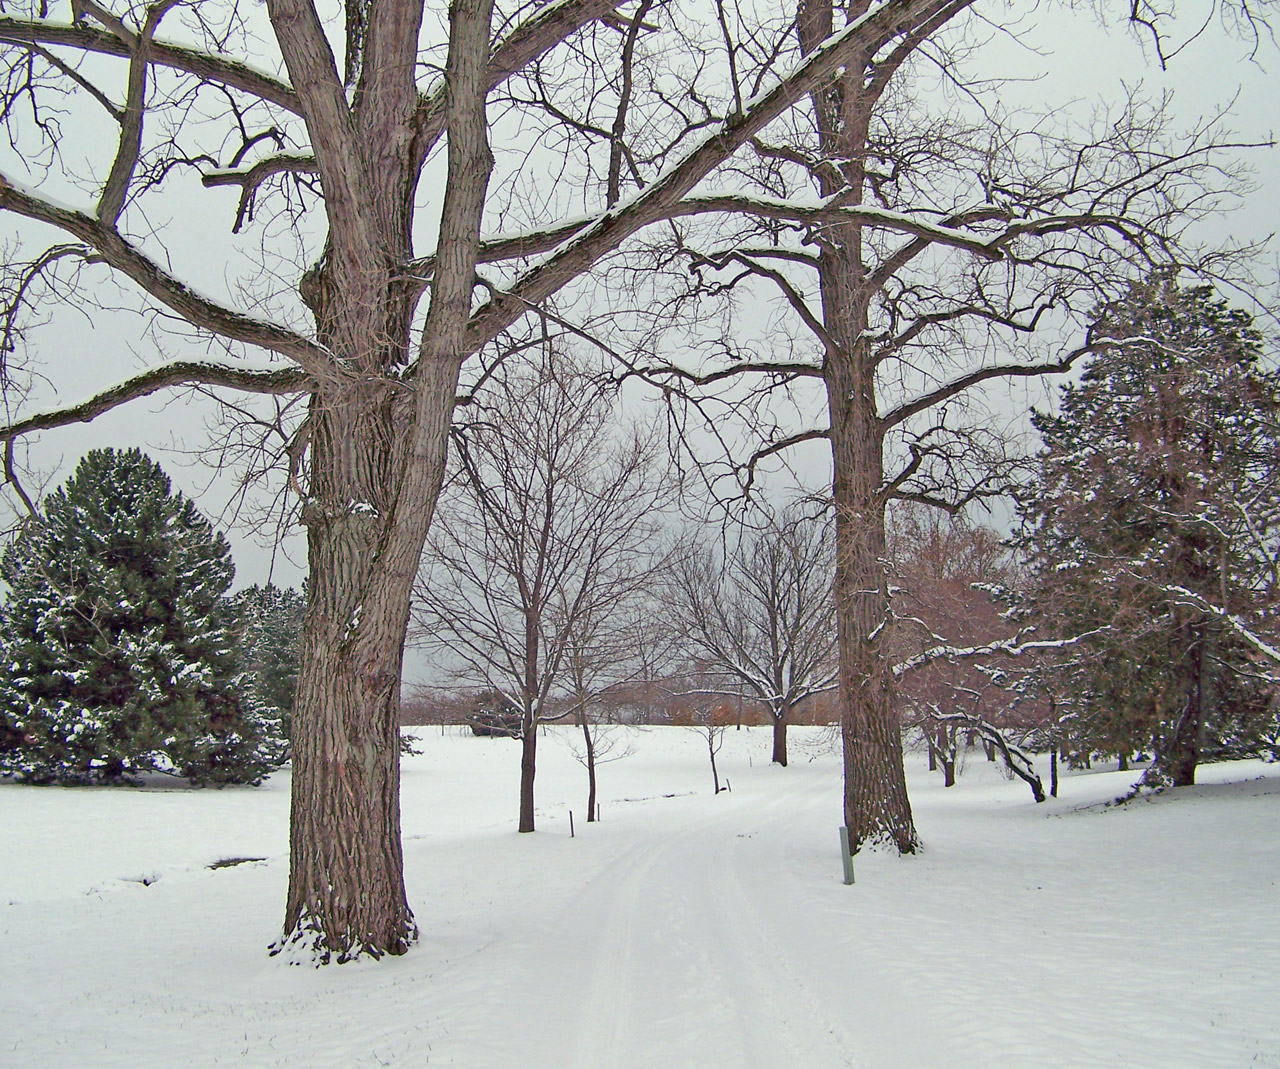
{"points": [[846, 855], [570, 823]]}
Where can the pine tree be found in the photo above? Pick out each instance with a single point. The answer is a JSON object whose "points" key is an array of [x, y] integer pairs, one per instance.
{"points": [[269, 621], [1159, 496], [118, 640]]}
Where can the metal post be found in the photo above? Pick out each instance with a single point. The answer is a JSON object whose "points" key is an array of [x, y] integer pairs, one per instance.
{"points": [[845, 855]]}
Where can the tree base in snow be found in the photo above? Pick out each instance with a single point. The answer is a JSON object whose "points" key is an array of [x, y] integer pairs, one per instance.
{"points": [[307, 944]]}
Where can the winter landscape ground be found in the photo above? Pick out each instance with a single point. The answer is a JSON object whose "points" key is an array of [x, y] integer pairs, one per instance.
{"points": [[685, 929]]}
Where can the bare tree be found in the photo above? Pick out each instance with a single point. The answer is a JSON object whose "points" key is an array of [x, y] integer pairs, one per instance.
{"points": [[944, 253], [329, 157], [945, 571], [545, 533], [760, 614]]}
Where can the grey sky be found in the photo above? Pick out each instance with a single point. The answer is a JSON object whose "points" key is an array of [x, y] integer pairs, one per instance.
{"points": [[1080, 64]]}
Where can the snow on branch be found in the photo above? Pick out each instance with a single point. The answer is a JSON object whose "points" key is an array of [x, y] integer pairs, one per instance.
{"points": [[182, 373], [1015, 759], [197, 309], [655, 202], [206, 66], [1237, 625], [1012, 647]]}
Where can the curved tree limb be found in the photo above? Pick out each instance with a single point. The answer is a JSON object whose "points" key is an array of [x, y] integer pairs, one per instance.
{"points": [[181, 373], [197, 309]]}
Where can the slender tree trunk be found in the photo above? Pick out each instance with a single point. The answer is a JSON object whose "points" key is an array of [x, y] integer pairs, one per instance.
{"points": [[590, 743], [528, 766], [781, 718]]}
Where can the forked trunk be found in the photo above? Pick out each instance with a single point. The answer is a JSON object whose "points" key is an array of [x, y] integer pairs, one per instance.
{"points": [[346, 885], [377, 445]]}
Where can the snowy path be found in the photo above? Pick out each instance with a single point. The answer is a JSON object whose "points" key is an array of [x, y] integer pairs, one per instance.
{"points": [[686, 930], [673, 954]]}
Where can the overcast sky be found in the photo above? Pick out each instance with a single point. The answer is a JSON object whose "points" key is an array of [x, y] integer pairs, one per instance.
{"points": [[1066, 59]]}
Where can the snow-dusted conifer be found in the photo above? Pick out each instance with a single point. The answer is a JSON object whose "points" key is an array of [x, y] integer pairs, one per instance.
{"points": [[117, 640], [1160, 474], [269, 623]]}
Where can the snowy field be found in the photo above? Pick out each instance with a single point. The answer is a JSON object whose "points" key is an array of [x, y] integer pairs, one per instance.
{"points": [[685, 929]]}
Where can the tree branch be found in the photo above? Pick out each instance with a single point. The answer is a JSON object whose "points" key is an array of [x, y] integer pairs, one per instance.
{"points": [[873, 29], [948, 390], [206, 67], [179, 374], [198, 310]]}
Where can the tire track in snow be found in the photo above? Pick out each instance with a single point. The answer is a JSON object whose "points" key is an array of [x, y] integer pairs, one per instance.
{"points": [[649, 964], [805, 1029]]}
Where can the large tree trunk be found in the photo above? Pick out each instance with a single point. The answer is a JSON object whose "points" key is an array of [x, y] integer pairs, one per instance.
{"points": [[377, 459], [876, 809]]}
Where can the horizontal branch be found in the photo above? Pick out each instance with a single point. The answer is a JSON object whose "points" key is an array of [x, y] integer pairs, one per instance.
{"points": [[537, 242], [205, 66], [956, 386], [252, 177], [197, 309], [171, 376], [1010, 647]]}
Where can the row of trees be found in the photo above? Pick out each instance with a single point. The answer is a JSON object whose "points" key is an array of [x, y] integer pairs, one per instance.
{"points": [[787, 151], [551, 580], [123, 651], [552, 574]]}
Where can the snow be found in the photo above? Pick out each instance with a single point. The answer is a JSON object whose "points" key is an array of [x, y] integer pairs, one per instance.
{"points": [[684, 929]]}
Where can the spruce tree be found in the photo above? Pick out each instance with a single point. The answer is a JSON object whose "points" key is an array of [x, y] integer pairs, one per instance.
{"points": [[1159, 496], [269, 624], [117, 638]]}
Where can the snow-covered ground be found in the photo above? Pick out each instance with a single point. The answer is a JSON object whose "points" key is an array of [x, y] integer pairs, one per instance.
{"points": [[685, 929]]}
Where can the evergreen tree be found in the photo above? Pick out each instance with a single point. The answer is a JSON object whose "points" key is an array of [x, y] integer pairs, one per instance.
{"points": [[118, 641], [1157, 502], [270, 625]]}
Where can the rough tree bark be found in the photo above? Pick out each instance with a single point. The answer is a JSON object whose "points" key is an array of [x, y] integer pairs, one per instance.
{"points": [[876, 807], [372, 485]]}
